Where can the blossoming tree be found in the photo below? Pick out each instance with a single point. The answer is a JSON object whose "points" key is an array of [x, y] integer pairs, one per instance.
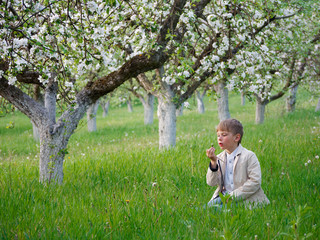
{"points": [[48, 42], [282, 61], [212, 41]]}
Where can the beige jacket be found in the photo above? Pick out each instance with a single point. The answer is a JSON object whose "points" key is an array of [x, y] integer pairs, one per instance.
{"points": [[246, 177]]}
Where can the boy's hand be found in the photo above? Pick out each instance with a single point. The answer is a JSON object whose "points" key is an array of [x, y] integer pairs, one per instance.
{"points": [[211, 154]]}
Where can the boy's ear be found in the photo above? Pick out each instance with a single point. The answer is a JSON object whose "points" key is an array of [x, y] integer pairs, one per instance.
{"points": [[237, 137]]}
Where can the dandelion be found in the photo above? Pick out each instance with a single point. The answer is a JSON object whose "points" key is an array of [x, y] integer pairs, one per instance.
{"points": [[306, 164], [260, 141], [309, 161], [127, 201], [154, 184], [317, 157]]}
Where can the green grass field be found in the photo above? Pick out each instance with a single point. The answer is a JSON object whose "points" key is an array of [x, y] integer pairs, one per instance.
{"points": [[118, 185]]}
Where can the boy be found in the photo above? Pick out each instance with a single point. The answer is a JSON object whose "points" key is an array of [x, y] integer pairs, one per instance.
{"points": [[236, 170]]}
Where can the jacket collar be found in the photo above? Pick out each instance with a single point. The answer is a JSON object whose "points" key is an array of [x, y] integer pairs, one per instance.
{"points": [[224, 157], [240, 149]]}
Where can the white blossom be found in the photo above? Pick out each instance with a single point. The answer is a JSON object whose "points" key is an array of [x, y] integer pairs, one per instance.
{"points": [[186, 74], [69, 84], [12, 80], [186, 104], [17, 43]]}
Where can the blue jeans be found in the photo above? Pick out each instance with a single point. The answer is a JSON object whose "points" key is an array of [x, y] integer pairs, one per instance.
{"points": [[217, 202]]}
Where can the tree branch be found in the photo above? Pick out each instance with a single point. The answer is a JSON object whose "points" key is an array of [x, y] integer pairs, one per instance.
{"points": [[33, 109]]}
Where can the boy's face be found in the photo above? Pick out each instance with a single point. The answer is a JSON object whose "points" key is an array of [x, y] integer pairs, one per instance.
{"points": [[228, 141]]}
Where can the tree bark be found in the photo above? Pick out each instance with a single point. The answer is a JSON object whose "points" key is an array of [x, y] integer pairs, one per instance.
{"points": [[50, 98], [167, 123], [260, 111], [105, 108], [318, 105], [35, 131], [52, 152], [200, 103], [148, 109], [243, 98], [91, 116], [39, 98], [129, 104], [223, 100], [166, 114], [291, 99], [179, 111]]}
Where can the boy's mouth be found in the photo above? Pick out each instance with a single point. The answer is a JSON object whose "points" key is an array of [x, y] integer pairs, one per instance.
{"points": [[220, 144]]}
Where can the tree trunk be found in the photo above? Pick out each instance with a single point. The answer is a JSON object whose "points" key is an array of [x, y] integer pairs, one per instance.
{"points": [[260, 110], [318, 105], [223, 100], [35, 130], [105, 108], [50, 98], [91, 116], [52, 152], [179, 111], [130, 109], [291, 99], [200, 103], [54, 136], [167, 123], [148, 109], [39, 98], [243, 98]]}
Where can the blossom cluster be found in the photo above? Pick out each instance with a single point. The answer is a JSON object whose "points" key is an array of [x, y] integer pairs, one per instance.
{"points": [[74, 39]]}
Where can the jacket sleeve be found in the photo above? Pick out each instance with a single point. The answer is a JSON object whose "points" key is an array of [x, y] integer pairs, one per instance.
{"points": [[213, 176], [253, 182]]}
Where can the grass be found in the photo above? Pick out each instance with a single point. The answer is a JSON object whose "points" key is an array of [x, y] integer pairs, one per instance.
{"points": [[118, 185]]}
